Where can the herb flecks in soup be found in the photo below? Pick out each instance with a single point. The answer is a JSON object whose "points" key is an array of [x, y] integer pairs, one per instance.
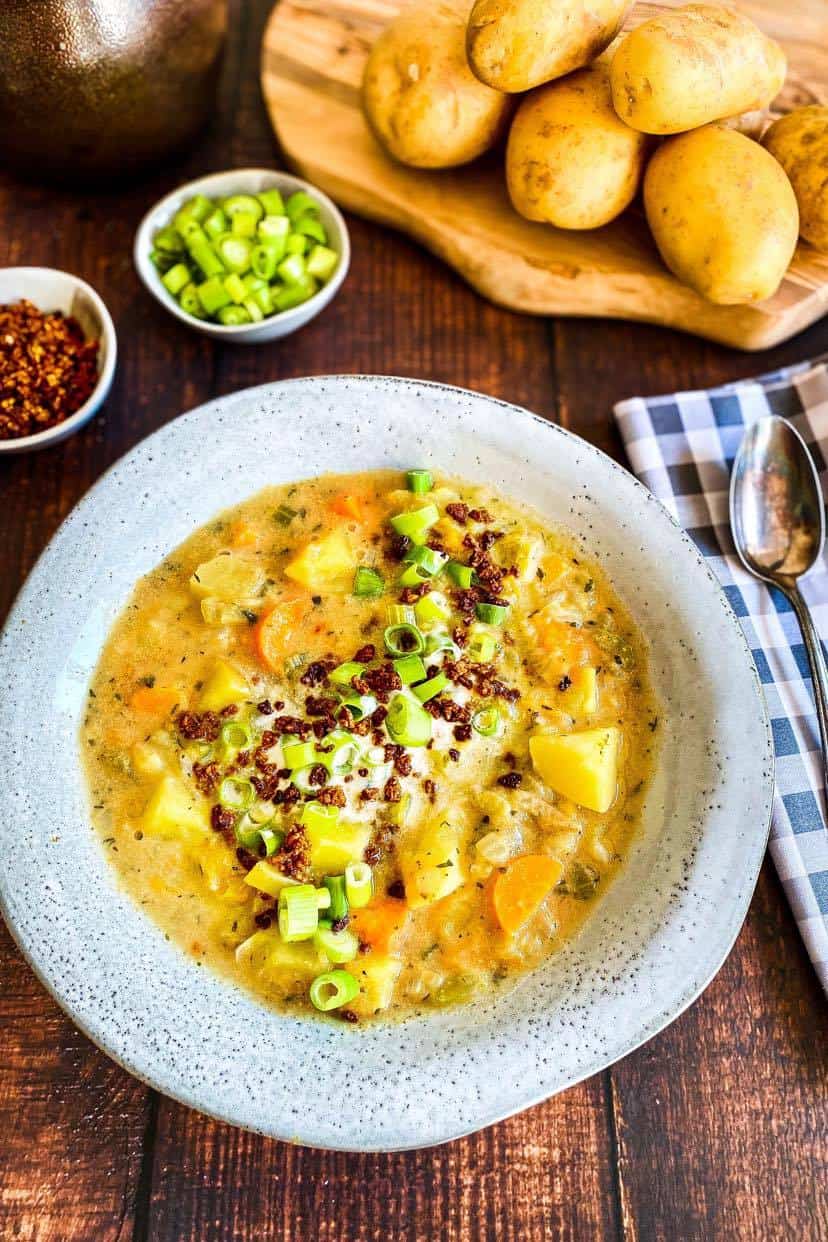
{"points": [[371, 742]]}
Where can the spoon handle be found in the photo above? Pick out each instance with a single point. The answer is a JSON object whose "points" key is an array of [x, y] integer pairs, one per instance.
{"points": [[819, 671]]}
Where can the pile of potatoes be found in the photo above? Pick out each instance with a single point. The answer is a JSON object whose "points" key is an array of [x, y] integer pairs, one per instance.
{"points": [[677, 106]]}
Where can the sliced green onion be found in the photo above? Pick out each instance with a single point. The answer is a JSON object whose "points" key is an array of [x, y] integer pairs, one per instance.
{"points": [[292, 269], [368, 584], [284, 515], [299, 204], [190, 301], [323, 899], [359, 705], [269, 841], [176, 278], [335, 884], [315, 815], [411, 576], [341, 946], [492, 614], [343, 673], [215, 224], [441, 642], [487, 720], [427, 560], [272, 202], [263, 261], [295, 243], [233, 316], [247, 835], [415, 523], [462, 575], [298, 912], [235, 287], [243, 224], [409, 669], [341, 750], [298, 754], [482, 646], [168, 240], [261, 813], [403, 640], [419, 481], [253, 309], [236, 794], [301, 778], [432, 609], [235, 253], [333, 990], [359, 884], [236, 735], [245, 204], [214, 297], [322, 262], [207, 259], [399, 614], [431, 688], [408, 723], [196, 208]]}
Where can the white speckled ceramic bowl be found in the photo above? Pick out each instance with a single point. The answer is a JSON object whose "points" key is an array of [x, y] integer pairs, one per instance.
{"points": [[661, 931]]}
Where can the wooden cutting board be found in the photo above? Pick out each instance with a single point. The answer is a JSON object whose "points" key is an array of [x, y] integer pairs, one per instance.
{"points": [[313, 56]]}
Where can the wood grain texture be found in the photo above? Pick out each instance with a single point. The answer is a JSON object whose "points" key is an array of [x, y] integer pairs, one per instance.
{"points": [[313, 57], [713, 1131]]}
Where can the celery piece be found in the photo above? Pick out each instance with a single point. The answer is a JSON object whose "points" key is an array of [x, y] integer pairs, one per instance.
{"points": [[253, 309], [233, 316], [213, 295], [321, 262], [235, 287], [292, 269], [311, 226], [300, 203], [207, 259], [216, 223], [176, 278], [243, 224], [272, 202]]}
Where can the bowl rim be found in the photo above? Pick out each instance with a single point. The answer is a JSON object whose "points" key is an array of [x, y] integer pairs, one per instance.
{"points": [[152, 282], [681, 995], [99, 393]]}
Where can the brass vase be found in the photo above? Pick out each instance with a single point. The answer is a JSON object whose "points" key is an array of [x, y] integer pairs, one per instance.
{"points": [[100, 88]]}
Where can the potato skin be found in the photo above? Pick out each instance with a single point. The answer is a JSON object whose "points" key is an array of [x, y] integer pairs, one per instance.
{"points": [[514, 45], [723, 214], [691, 66], [570, 161], [421, 99], [800, 142]]}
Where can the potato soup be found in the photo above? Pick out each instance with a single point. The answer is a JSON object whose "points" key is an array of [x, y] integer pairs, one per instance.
{"points": [[371, 743]]}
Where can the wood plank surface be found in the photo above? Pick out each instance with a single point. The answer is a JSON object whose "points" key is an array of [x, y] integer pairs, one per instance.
{"points": [[714, 1130], [313, 57]]}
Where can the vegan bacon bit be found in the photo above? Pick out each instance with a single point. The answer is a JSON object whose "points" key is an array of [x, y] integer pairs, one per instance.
{"points": [[510, 780], [459, 512], [47, 369]]}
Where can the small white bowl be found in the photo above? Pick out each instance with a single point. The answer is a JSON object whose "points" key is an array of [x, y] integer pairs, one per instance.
{"points": [[221, 185], [52, 290]]}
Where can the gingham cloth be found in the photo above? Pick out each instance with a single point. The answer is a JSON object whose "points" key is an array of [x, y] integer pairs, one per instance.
{"points": [[682, 447]]}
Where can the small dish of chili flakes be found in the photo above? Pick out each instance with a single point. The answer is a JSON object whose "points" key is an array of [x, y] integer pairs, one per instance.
{"points": [[57, 356]]}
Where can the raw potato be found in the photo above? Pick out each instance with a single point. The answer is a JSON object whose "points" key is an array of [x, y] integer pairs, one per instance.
{"points": [[723, 214], [800, 142], [421, 99], [515, 45], [692, 66], [570, 161]]}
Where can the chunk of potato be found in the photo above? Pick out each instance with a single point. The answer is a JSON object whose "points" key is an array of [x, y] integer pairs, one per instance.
{"points": [[689, 66], [722, 213], [326, 563], [288, 967], [581, 696], [175, 812], [224, 686], [514, 45], [267, 879], [228, 577], [431, 869], [377, 974], [522, 551], [581, 766], [799, 141], [332, 848]]}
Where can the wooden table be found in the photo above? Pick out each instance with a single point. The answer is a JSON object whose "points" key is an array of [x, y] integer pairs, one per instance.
{"points": [[716, 1129]]}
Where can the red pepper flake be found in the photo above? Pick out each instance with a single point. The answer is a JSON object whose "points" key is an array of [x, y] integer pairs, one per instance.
{"points": [[47, 369]]}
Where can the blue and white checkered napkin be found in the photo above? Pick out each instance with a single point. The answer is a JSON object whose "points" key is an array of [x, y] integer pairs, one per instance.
{"points": [[682, 447]]}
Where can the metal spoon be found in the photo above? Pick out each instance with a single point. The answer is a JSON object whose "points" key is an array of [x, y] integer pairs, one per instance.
{"points": [[777, 515]]}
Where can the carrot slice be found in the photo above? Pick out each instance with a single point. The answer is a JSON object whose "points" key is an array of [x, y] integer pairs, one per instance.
{"points": [[377, 922], [349, 506], [275, 635], [521, 887], [154, 700]]}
